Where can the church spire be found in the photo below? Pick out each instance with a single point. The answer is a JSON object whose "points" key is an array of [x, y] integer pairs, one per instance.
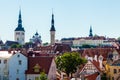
{"points": [[52, 31], [20, 19], [19, 27], [52, 23], [90, 34]]}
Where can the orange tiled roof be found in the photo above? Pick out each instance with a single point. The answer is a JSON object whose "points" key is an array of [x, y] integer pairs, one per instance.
{"points": [[98, 51]]}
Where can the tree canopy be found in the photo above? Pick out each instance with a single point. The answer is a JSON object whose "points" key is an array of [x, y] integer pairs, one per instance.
{"points": [[43, 76], [69, 61], [16, 46]]}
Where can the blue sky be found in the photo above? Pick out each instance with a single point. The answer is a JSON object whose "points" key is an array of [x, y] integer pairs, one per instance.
{"points": [[72, 18]]}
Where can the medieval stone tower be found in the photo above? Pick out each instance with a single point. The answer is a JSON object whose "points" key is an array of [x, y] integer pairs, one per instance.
{"points": [[19, 33], [52, 31]]}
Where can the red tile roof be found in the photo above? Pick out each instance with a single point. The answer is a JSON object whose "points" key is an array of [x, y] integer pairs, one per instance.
{"points": [[96, 64], [92, 76], [44, 62], [98, 51]]}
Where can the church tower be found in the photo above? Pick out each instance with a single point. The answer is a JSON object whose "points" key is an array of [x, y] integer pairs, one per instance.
{"points": [[52, 31], [19, 33], [90, 34]]}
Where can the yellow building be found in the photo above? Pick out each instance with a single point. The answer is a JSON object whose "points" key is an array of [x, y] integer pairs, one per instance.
{"points": [[113, 70]]}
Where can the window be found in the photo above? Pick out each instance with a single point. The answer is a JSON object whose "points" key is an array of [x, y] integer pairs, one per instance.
{"points": [[115, 71], [17, 71], [112, 78], [22, 33], [36, 78], [5, 61], [18, 55], [20, 62], [17, 39], [17, 33]]}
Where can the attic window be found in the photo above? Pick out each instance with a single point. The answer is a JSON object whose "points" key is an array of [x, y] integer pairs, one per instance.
{"points": [[36, 68]]}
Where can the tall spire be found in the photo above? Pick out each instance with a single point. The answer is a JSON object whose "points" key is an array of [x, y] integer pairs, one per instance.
{"points": [[19, 28], [52, 23], [20, 19], [90, 34]]}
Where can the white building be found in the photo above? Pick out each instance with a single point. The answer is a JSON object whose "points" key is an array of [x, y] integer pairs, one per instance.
{"points": [[17, 66], [4, 58], [96, 41]]}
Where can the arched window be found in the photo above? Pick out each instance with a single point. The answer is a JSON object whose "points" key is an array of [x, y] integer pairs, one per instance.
{"points": [[115, 71]]}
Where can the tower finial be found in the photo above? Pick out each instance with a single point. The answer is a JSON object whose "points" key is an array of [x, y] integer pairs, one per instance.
{"points": [[52, 10]]}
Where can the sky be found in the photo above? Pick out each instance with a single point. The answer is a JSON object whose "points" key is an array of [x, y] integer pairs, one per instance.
{"points": [[73, 18]]}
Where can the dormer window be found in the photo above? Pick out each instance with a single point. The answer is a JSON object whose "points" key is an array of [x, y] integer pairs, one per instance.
{"points": [[36, 68]]}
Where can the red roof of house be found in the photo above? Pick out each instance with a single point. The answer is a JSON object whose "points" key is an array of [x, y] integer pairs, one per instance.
{"points": [[96, 64], [92, 76], [43, 62], [98, 51]]}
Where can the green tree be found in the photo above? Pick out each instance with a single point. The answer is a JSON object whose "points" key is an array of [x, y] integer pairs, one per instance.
{"points": [[43, 76], [45, 44], [13, 46], [86, 46], [16, 46], [118, 39], [68, 62], [103, 76]]}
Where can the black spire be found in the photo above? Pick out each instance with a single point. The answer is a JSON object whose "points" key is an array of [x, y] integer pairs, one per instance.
{"points": [[90, 35], [52, 23], [19, 28]]}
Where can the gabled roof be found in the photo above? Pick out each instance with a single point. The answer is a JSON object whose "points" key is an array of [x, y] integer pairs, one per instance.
{"points": [[9, 43], [92, 76], [43, 62], [94, 63]]}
